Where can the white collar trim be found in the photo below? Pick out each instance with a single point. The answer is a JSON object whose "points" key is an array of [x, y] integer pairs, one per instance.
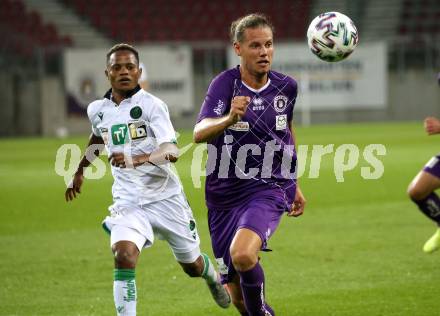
{"points": [[259, 90]]}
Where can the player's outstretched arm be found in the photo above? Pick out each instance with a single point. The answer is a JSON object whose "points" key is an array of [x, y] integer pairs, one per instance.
{"points": [[432, 125], [167, 152], [298, 204], [210, 128], [90, 154], [300, 201]]}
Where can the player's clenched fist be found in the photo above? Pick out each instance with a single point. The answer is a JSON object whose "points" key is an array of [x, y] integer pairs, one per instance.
{"points": [[239, 106], [432, 125]]}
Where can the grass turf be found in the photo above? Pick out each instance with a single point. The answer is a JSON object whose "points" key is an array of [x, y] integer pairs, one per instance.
{"points": [[356, 251]]}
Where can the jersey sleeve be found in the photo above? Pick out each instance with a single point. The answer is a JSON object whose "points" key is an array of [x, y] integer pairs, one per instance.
{"points": [[218, 98], [160, 124], [92, 113]]}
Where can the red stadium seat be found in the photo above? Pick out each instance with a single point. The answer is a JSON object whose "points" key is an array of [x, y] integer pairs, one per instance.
{"points": [[188, 20], [419, 18], [403, 30]]}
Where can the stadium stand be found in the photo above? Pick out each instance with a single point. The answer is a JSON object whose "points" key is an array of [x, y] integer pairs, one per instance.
{"points": [[202, 20], [320, 6], [420, 17], [23, 31], [380, 20], [34, 33], [68, 22]]}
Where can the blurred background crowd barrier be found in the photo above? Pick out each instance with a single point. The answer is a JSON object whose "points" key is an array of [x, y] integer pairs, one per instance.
{"points": [[52, 57]]}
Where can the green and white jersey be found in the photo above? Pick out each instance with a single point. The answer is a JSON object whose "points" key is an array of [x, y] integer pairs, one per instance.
{"points": [[137, 126]]}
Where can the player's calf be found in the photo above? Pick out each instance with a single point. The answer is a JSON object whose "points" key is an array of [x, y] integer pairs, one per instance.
{"points": [[193, 269], [204, 268], [253, 288], [430, 206], [234, 290]]}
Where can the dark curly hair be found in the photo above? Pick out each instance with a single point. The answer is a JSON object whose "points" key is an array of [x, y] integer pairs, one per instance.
{"points": [[123, 46]]}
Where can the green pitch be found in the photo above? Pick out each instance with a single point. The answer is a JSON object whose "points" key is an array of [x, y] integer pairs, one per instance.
{"points": [[356, 251]]}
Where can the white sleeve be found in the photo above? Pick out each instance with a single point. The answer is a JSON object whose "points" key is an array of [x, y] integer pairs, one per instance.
{"points": [[95, 131], [161, 125], [93, 117]]}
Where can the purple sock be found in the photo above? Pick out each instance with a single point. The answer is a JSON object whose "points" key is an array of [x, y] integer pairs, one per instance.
{"points": [[430, 206], [252, 286], [268, 308]]}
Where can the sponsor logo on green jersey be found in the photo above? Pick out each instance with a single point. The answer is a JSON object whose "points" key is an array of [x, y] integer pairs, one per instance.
{"points": [[119, 134], [137, 129]]}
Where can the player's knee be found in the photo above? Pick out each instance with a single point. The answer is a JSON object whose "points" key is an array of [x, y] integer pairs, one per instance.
{"points": [[125, 259], [192, 269], [243, 259], [415, 193]]}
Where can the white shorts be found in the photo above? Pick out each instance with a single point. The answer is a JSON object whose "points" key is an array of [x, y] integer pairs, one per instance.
{"points": [[170, 219]]}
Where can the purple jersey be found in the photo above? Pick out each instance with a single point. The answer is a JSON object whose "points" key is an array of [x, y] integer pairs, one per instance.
{"points": [[257, 153], [433, 166]]}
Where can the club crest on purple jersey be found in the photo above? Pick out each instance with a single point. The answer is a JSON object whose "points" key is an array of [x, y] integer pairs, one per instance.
{"points": [[280, 103]]}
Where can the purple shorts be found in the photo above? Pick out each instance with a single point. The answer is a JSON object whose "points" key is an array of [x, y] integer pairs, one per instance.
{"points": [[433, 166], [261, 214]]}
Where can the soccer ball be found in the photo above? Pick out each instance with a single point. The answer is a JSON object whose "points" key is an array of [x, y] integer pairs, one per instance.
{"points": [[332, 36]]}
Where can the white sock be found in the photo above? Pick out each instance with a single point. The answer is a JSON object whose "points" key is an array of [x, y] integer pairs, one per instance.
{"points": [[209, 273], [124, 292]]}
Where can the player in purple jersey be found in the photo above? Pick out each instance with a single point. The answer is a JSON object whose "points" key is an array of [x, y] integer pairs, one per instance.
{"points": [[422, 188], [246, 120]]}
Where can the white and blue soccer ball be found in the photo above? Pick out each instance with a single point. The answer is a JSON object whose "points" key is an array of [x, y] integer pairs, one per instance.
{"points": [[332, 36]]}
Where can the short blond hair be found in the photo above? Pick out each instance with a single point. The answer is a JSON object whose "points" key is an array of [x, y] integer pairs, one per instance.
{"points": [[249, 21]]}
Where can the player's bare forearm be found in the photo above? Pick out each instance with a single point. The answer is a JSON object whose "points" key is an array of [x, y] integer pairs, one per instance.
{"points": [[118, 159], [210, 128], [92, 151], [94, 146], [167, 152], [300, 201]]}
